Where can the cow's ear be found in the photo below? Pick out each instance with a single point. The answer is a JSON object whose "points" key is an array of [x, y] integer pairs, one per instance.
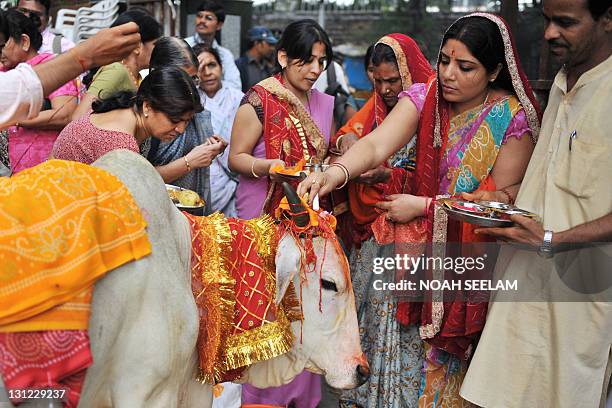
{"points": [[287, 265]]}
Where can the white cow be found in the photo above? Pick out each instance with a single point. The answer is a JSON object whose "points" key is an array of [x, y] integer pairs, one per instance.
{"points": [[144, 323]]}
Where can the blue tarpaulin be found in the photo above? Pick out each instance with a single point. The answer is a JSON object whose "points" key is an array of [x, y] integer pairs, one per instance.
{"points": [[353, 66]]}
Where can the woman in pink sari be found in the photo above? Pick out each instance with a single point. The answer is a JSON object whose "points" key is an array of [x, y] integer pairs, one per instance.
{"points": [[477, 122], [31, 141]]}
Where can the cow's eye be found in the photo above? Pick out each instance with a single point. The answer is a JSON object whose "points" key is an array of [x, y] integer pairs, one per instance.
{"points": [[328, 285]]}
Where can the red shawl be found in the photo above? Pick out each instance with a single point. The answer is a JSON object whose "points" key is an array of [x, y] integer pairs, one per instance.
{"points": [[289, 132], [413, 67]]}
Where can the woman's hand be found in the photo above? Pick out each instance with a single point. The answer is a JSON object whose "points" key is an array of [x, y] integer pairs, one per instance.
{"points": [[402, 208], [218, 143], [271, 163], [378, 175], [321, 183], [203, 155]]}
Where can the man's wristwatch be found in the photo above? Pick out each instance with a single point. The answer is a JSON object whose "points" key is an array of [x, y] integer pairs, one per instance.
{"points": [[546, 249]]}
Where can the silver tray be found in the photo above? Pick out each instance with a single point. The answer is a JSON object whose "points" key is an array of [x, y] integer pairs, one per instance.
{"points": [[484, 215], [481, 220], [507, 209]]}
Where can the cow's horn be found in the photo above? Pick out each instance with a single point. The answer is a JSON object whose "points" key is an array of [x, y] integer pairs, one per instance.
{"points": [[301, 218]]}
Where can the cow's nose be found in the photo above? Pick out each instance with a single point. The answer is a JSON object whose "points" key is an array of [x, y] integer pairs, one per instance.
{"points": [[363, 373]]}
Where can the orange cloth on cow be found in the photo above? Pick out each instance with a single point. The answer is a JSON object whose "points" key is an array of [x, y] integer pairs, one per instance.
{"points": [[63, 225]]}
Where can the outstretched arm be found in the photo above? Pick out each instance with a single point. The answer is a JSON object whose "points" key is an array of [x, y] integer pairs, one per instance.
{"points": [[109, 45], [394, 132], [531, 232]]}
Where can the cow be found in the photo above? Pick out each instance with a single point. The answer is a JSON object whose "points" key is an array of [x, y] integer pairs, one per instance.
{"points": [[144, 322]]}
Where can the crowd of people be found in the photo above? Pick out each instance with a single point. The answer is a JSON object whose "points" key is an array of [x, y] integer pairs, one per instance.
{"points": [[468, 126]]}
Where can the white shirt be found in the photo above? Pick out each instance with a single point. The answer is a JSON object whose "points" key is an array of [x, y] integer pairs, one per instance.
{"points": [[321, 82], [231, 75], [47, 44], [21, 95], [222, 107]]}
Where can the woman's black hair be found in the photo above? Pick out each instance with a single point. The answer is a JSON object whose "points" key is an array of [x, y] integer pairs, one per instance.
{"points": [[483, 39], [15, 24], [148, 27], [168, 89], [200, 48], [383, 53], [367, 60], [172, 51], [298, 39]]}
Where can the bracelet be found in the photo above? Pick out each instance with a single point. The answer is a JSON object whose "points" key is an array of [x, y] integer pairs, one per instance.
{"points": [[253, 169], [338, 140], [347, 175], [508, 196], [187, 164], [77, 58]]}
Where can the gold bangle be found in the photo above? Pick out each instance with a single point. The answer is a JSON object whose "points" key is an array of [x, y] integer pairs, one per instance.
{"points": [[347, 175], [338, 140], [253, 168], [187, 164]]}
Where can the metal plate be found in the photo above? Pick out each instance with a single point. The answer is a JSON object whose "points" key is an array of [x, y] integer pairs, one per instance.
{"points": [[188, 208], [476, 219], [474, 213], [507, 209]]}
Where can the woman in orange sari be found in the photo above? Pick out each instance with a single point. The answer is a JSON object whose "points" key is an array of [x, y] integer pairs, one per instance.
{"points": [[397, 63], [477, 122]]}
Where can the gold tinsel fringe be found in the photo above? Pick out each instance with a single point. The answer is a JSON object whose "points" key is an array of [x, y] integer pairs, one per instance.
{"points": [[259, 344], [264, 230], [219, 290]]}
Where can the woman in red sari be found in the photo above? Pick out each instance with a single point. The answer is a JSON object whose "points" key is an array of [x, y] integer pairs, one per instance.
{"points": [[282, 120], [397, 63], [394, 380], [477, 123]]}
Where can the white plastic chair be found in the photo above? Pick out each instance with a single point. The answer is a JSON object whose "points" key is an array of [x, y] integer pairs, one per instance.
{"points": [[90, 20], [64, 23]]}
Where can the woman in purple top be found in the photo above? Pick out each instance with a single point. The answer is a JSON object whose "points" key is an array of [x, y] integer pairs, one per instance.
{"points": [[282, 120]]}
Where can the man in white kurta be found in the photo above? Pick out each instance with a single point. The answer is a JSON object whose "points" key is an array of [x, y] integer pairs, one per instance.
{"points": [[538, 353]]}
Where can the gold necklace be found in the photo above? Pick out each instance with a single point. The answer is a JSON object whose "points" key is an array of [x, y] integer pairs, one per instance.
{"points": [[132, 76]]}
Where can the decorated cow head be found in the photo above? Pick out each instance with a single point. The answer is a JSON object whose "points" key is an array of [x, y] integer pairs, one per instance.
{"points": [[329, 334]]}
